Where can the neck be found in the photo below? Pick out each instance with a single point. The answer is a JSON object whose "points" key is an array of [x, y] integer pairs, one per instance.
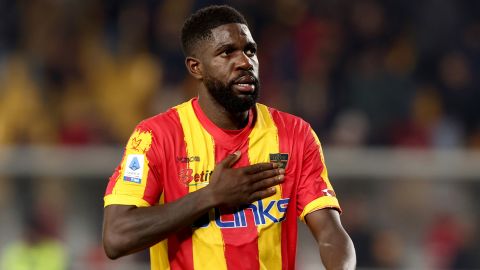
{"points": [[220, 116]]}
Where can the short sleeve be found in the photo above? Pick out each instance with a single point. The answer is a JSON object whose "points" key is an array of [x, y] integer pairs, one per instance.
{"points": [[314, 189], [135, 181]]}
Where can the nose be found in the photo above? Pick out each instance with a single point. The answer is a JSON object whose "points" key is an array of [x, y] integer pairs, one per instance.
{"points": [[244, 62]]}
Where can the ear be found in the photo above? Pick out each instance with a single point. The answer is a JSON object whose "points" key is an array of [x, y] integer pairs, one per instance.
{"points": [[194, 67]]}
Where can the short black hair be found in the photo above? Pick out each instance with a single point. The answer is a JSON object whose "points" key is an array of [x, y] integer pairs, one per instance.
{"points": [[198, 26]]}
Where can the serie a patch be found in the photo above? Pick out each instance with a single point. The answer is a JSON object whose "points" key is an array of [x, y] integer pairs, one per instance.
{"points": [[134, 168]]}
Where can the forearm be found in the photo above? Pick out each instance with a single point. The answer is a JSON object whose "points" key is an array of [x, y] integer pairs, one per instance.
{"points": [[337, 251], [130, 229]]}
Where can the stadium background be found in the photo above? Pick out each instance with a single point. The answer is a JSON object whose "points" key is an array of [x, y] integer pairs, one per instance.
{"points": [[391, 87]]}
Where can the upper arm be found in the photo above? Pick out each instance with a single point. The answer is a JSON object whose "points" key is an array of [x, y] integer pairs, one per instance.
{"points": [[314, 190], [114, 212], [323, 222], [136, 181], [112, 215]]}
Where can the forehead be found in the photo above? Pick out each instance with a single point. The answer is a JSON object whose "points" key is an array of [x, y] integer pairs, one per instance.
{"points": [[230, 33]]}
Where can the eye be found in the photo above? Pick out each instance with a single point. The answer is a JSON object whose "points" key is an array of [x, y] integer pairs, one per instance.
{"points": [[227, 51], [251, 51]]}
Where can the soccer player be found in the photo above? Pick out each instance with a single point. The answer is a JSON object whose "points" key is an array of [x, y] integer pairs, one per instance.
{"points": [[218, 181]]}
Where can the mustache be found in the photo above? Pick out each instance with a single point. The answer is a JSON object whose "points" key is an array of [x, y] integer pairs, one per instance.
{"points": [[242, 76]]}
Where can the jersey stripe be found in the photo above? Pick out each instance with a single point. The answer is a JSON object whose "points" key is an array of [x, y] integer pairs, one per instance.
{"points": [[207, 242], [289, 225], [113, 179], [324, 173], [179, 244], [241, 250], [263, 141], [159, 252]]}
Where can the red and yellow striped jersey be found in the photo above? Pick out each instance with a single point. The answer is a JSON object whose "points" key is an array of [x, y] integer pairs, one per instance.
{"points": [[174, 153]]}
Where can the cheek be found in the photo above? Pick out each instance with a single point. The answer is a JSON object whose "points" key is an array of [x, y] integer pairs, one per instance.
{"points": [[220, 69], [255, 63], [256, 71]]}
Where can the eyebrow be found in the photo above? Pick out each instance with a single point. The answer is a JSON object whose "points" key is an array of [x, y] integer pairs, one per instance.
{"points": [[251, 44], [223, 46]]}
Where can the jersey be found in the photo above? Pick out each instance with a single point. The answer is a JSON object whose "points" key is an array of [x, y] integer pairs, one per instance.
{"points": [[174, 153]]}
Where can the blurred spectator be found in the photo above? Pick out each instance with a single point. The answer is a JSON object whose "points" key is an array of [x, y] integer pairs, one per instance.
{"points": [[350, 129], [356, 222], [416, 130], [457, 89], [387, 250], [469, 248], [443, 241], [24, 118], [37, 250]]}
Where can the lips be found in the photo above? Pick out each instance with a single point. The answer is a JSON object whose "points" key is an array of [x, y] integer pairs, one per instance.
{"points": [[245, 84]]}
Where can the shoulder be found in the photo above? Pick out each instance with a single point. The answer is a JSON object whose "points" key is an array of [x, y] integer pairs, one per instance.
{"points": [[162, 122], [163, 128], [287, 121]]}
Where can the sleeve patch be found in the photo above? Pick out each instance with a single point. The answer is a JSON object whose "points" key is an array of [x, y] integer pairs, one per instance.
{"points": [[135, 164]]}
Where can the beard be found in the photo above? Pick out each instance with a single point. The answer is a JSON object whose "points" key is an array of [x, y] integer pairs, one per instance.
{"points": [[226, 97]]}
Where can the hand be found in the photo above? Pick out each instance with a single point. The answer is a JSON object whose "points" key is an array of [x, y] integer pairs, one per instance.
{"points": [[231, 187]]}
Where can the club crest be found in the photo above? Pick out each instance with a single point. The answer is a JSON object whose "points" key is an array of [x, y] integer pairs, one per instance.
{"points": [[280, 158]]}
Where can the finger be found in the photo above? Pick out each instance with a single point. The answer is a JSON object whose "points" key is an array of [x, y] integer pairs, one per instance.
{"points": [[267, 174], [262, 194], [230, 160], [269, 182], [259, 167]]}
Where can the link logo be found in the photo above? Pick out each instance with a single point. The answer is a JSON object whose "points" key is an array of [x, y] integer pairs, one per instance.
{"points": [[272, 212]]}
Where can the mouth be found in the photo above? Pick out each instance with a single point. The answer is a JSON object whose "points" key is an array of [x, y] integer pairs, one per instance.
{"points": [[245, 84]]}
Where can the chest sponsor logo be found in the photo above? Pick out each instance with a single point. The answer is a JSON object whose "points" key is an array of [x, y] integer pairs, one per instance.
{"points": [[190, 178], [263, 212], [134, 168], [280, 158]]}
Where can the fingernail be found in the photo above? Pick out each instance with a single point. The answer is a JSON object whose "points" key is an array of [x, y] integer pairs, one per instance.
{"points": [[237, 153], [280, 177], [281, 171], [273, 189], [275, 165]]}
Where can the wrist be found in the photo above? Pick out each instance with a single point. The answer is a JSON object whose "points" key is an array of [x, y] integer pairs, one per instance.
{"points": [[209, 197]]}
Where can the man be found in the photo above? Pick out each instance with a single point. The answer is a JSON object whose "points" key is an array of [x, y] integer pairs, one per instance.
{"points": [[167, 194]]}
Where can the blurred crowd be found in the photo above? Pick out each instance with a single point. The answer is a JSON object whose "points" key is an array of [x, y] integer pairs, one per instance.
{"points": [[388, 73], [395, 73]]}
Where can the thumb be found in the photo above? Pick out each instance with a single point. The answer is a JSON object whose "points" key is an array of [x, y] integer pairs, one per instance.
{"points": [[230, 159]]}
